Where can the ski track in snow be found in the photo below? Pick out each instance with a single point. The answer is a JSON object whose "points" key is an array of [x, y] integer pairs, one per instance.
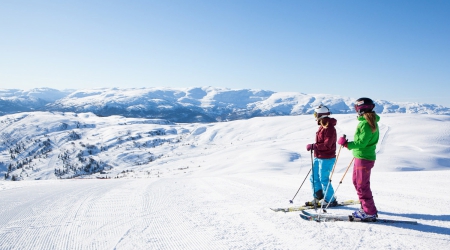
{"points": [[213, 212]]}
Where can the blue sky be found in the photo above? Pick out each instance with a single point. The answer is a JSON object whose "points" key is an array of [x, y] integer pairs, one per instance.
{"points": [[389, 50]]}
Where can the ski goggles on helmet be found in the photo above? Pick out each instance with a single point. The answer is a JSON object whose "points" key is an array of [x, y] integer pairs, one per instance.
{"points": [[364, 107], [321, 115]]}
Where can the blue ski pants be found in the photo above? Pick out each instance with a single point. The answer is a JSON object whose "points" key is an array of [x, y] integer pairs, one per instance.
{"points": [[320, 178]]}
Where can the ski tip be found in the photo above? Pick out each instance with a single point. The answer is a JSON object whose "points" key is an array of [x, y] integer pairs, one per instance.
{"points": [[309, 218], [279, 209], [305, 217]]}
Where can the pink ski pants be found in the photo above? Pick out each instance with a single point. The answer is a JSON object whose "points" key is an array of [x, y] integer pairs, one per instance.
{"points": [[361, 181]]}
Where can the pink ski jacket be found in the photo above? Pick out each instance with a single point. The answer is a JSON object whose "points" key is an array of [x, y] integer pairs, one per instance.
{"points": [[325, 147]]}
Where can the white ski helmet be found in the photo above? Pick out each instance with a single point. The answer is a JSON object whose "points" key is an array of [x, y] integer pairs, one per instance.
{"points": [[321, 112]]}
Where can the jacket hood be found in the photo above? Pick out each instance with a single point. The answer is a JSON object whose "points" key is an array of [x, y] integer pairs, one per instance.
{"points": [[331, 121]]}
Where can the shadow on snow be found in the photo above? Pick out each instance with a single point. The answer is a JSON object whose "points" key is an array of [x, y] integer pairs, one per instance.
{"points": [[419, 227]]}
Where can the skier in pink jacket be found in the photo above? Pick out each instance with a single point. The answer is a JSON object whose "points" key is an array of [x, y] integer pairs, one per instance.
{"points": [[324, 158]]}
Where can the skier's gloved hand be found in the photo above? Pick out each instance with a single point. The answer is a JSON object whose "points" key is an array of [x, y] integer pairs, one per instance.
{"points": [[310, 146], [342, 141]]}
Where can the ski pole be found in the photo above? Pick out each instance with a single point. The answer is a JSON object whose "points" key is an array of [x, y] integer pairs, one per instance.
{"points": [[314, 177], [332, 171], [337, 157], [292, 201], [342, 178], [347, 170]]}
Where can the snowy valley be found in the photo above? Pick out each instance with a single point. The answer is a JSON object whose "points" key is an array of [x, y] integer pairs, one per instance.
{"points": [[43, 145]]}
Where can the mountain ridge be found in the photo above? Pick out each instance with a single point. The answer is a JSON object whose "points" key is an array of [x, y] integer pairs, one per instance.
{"points": [[194, 104]]}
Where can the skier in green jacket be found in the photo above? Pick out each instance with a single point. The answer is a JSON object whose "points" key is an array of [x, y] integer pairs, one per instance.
{"points": [[363, 147]]}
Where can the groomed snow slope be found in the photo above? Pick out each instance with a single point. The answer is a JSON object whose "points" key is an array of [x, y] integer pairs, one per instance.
{"points": [[217, 184], [220, 212]]}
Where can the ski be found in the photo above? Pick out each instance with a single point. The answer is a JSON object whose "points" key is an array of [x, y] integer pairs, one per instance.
{"points": [[305, 207], [324, 218], [333, 217]]}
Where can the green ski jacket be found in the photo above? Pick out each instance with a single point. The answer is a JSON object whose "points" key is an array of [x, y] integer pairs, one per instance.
{"points": [[365, 141]]}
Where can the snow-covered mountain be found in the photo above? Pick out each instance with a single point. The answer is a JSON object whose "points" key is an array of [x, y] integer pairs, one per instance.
{"points": [[16, 100], [196, 104]]}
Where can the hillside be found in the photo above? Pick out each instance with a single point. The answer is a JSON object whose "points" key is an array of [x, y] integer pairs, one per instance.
{"points": [[44, 145]]}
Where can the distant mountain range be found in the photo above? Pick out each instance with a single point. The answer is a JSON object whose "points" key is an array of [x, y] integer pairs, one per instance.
{"points": [[196, 104]]}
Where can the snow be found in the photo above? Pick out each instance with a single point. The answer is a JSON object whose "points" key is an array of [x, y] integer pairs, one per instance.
{"points": [[215, 182], [47, 94]]}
